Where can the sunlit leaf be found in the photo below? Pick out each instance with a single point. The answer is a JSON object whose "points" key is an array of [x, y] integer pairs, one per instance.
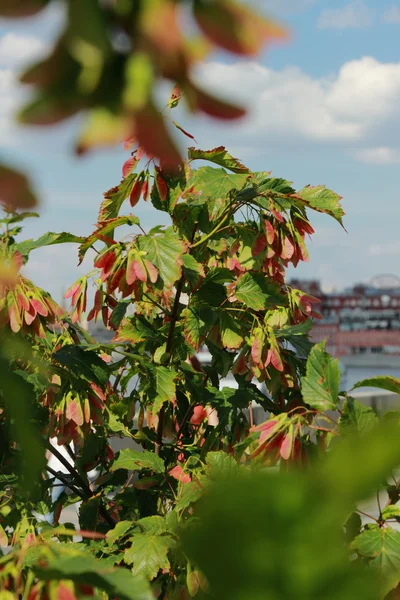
{"points": [[132, 460], [320, 386]]}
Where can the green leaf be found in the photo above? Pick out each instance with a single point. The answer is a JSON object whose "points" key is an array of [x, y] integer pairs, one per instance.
{"points": [[119, 313], [320, 386], [391, 512], [356, 417], [148, 554], [106, 228], [276, 184], [220, 464], [323, 200], [118, 532], [391, 384], [198, 319], [132, 460], [231, 333], [154, 525], [163, 387], [382, 546], [165, 251], [48, 239], [190, 493], [219, 156], [84, 363], [84, 568], [215, 183], [114, 198], [192, 269], [16, 395], [255, 292]]}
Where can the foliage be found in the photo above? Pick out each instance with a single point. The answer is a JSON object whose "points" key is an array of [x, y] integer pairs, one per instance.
{"points": [[205, 501]]}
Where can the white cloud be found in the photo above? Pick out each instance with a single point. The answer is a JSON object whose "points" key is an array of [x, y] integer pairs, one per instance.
{"points": [[283, 7], [357, 105], [356, 14], [391, 248], [16, 49], [391, 15], [381, 155]]}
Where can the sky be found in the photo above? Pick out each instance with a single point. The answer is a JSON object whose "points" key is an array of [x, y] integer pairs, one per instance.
{"points": [[324, 108]]}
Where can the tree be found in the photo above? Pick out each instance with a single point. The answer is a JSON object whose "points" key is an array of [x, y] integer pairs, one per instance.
{"points": [[200, 509]]}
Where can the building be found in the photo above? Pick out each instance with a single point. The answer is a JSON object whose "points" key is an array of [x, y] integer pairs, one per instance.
{"points": [[364, 319]]}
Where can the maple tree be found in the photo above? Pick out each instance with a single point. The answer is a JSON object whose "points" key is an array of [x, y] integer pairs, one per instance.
{"points": [[194, 505]]}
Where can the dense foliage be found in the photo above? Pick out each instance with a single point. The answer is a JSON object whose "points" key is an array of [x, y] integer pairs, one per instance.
{"points": [[237, 492]]}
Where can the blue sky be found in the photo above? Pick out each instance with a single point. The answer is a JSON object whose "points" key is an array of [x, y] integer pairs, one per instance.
{"points": [[324, 108]]}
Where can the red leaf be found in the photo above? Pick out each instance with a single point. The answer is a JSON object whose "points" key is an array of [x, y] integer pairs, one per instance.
{"points": [[189, 135], [235, 28], [161, 186], [259, 244], [140, 270], [286, 445], [128, 166], [129, 142], [217, 108], [74, 411], [71, 290], [199, 414], [269, 231], [277, 215], [287, 248], [151, 270], [152, 134], [18, 260], [40, 308], [64, 593], [136, 192], [179, 474], [256, 350], [130, 274], [276, 360], [146, 190]]}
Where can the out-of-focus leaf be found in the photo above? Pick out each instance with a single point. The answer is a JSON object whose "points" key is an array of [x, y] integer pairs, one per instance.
{"points": [[235, 27], [356, 417], [21, 8], [17, 395], [15, 190], [219, 156], [103, 128], [320, 386], [132, 460], [253, 557], [85, 569], [152, 134]]}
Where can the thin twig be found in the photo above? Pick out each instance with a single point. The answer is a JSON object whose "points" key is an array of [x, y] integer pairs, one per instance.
{"points": [[367, 515]]}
